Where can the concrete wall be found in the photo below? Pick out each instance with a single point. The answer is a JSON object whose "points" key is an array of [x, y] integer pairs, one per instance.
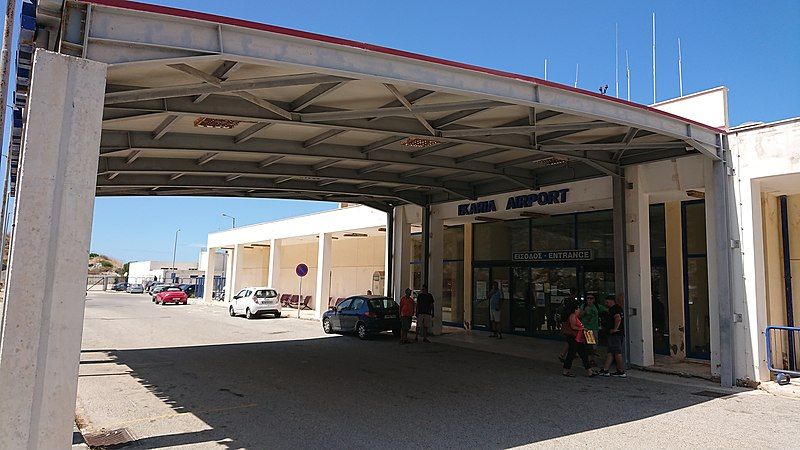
{"points": [[709, 107]]}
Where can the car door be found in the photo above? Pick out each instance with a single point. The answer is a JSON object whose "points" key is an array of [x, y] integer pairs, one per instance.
{"points": [[335, 318], [238, 301], [350, 315]]}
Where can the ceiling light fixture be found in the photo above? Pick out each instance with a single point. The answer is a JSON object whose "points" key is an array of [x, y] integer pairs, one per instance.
{"points": [[208, 122], [417, 142]]}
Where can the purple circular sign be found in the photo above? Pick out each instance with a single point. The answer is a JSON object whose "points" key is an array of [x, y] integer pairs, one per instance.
{"points": [[301, 270]]}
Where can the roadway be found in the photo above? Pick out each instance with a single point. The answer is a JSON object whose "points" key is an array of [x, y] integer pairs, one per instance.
{"points": [[192, 377]]}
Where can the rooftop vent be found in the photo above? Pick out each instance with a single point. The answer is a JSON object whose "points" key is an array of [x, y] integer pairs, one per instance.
{"points": [[420, 142], [208, 122]]}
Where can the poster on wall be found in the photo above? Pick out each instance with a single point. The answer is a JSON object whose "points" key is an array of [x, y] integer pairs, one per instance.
{"points": [[480, 290], [539, 287], [504, 287], [556, 299], [540, 301]]}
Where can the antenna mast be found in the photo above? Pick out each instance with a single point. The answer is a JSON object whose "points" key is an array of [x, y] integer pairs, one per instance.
{"points": [[545, 69], [616, 60], [654, 57], [680, 69], [628, 75], [576, 74]]}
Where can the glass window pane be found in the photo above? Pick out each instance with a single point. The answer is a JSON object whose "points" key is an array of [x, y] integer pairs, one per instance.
{"points": [[553, 233], [658, 232], [596, 231], [454, 242], [416, 247], [695, 219], [480, 305], [699, 315], [497, 240], [452, 291]]}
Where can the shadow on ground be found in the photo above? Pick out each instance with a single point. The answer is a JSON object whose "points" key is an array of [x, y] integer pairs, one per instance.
{"points": [[342, 392]]}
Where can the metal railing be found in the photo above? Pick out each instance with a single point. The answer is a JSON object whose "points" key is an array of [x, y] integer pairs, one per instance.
{"points": [[789, 334]]}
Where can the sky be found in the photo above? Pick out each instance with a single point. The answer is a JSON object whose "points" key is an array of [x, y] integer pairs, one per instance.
{"points": [[753, 48]]}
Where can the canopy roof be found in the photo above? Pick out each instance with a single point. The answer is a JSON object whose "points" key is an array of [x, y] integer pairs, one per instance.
{"points": [[204, 105]]}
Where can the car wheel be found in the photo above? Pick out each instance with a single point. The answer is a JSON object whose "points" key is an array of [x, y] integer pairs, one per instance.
{"points": [[230, 311], [277, 315], [326, 326], [361, 330], [248, 314]]}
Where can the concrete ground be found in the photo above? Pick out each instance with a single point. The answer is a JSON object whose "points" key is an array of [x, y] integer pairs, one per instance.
{"points": [[192, 377]]}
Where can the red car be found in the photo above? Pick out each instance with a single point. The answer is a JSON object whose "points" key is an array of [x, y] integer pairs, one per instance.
{"points": [[172, 294]]}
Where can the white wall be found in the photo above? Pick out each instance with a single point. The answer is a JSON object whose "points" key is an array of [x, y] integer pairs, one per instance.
{"points": [[709, 107]]}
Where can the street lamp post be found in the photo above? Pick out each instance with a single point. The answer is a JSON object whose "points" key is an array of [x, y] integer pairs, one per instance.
{"points": [[233, 219], [174, 250]]}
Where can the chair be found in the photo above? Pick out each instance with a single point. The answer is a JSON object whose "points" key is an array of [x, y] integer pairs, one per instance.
{"points": [[285, 299], [294, 300], [305, 302]]}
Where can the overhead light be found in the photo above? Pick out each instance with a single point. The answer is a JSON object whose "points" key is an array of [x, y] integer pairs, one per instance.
{"points": [[533, 215], [696, 194], [208, 122], [355, 235], [420, 142]]}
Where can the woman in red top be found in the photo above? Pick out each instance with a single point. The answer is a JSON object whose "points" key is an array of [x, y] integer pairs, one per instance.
{"points": [[577, 344], [406, 312]]}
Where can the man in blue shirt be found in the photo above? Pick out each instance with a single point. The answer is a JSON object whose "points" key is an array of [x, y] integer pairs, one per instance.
{"points": [[495, 305]]}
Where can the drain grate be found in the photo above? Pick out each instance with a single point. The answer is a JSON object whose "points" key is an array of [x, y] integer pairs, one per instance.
{"points": [[109, 438], [712, 394]]}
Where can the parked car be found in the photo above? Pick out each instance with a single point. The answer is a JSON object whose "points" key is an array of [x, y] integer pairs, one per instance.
{"points": [[363, 314], [255, 301], [120, 286], [190, 289], [153, 287], [171, 294], [155, 290], [135, 289]]}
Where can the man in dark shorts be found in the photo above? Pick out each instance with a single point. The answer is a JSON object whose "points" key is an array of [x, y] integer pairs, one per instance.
{"points": [[424, 313], [615, 328]]}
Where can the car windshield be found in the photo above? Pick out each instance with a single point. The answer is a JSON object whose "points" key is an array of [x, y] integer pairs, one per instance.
{"points": [[266, 293], [382, 303], [137, 286]]}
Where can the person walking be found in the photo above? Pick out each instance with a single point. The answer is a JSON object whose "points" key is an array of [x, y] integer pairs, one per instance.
{"points": [[615, 328], [406, 313], [424, 313], [577, 344], [590, 316], [495, 305]]}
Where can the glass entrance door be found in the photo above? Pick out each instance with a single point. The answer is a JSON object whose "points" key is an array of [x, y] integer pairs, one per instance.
{"points": [[549, 288]]}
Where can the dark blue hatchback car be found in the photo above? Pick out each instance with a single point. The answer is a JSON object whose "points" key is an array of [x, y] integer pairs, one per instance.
{"points": [[363, 314]]}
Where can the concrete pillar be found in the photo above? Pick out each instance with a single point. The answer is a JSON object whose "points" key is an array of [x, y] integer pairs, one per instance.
{"points": [[639, 297], [436, 268], [402, 251], [619, 187], [323, 288], [388, 259], [674, 243], [274, 273], [43, 320], [211, 263], [235, 268], [468, 275]]}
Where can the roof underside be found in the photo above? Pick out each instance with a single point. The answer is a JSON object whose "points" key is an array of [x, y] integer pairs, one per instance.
{"points": [[219, 108]]}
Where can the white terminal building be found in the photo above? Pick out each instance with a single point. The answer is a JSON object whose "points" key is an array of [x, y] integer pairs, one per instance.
{"points": [[558, 242]]}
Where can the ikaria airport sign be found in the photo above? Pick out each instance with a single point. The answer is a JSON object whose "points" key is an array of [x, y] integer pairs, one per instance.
{"points": [[515, 202]]}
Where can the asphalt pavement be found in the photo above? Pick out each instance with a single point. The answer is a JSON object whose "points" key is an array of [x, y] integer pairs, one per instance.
{"points": [[193, 377]]}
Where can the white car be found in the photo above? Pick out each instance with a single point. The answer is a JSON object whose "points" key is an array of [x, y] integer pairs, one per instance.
{"points": [[255, 301]]}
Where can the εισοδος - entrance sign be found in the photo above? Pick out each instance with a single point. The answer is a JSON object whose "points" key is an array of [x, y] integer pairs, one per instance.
{"points": [[555, 255]]}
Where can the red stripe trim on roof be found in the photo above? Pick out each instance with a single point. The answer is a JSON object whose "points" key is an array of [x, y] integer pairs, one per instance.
{"points": [[177, 12]]}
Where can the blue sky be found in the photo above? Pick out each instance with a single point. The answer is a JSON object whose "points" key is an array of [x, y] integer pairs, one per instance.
{"points": [[753, 48]]}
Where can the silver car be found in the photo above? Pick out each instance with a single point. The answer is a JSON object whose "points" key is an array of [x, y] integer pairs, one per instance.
{"points": [[135, 289]]}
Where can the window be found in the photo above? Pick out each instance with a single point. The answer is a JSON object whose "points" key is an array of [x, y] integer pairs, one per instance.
{"points": [[344, 305], [357, 304], [454, 243], [382, 303], [596, 231], [242, 293], [553, 233], [266, 293], [498, 240]]}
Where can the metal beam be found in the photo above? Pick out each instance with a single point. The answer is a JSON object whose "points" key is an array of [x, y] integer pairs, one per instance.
{"points": [[393, 89], [134, 155], [251, 131], [433, 149], [196, 73], [225, 86], [372, 168], [207, 158], [164, 126], [455, 117], [527, 129], [313, 95], [480, 154], [270, 161], [377, 145], [322, 137], [266, 104], [325, 164], [397, 111], [225, 70]]}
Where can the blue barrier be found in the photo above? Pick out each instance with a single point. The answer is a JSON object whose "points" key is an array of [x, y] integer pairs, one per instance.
{"points": [[768, 334]]}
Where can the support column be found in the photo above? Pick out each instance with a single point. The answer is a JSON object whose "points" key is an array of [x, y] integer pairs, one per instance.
{"points": [[639, 300], [323, 290], [467, 275], [619, 186], [435, 235], [208, 285], [388, 259], [402, 251], [235, 268], [43, 320], [718, 247], [274, 274]]}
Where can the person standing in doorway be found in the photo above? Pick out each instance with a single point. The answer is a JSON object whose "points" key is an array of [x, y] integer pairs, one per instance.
{"points": [[615, 328], [406, 313], [495, 306], [577, 344], [424, 313]]}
